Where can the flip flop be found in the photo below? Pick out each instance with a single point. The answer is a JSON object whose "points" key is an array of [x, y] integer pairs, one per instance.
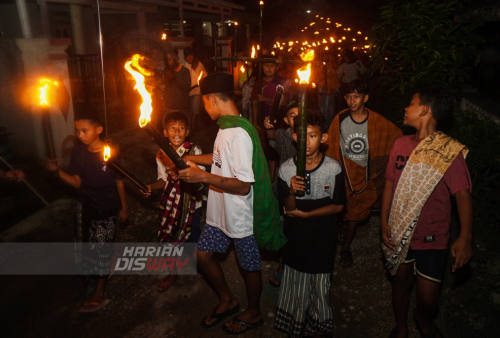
{"points": [[278, 277], [220, 316], [248, 326], [434, 329], [93, 307], [164, 286]]}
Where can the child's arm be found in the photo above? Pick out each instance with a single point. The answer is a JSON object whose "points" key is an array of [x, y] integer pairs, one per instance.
{"points": [[296, 184], [461, 250], [160, 184], [73, 180], [205, 159], [231, 185], [271, 133], [123, 215], [323, 211], [384, 215]]}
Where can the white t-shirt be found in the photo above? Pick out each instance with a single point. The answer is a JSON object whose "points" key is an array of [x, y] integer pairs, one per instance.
{"points": [[232, 157], [195, 74]]}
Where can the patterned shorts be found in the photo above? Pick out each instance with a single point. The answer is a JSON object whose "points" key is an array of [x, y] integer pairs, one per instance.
{"points": [[212, 239]]}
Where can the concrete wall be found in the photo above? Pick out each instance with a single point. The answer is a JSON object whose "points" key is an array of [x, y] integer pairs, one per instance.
{"points": [[10, 26]]}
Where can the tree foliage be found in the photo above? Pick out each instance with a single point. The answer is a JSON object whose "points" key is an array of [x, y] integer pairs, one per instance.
{"points": [[417, 42]]}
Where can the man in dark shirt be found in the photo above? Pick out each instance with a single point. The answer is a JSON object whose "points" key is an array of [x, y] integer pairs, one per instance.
{"points": [[177, 84]]}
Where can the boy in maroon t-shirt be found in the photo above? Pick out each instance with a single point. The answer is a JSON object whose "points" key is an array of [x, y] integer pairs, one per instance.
{"points": [[429, 244]]}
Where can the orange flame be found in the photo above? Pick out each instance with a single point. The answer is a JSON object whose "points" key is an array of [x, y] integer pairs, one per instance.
{"points": [[43, 90], [107, 153], [261, 3], [253, 51], [164, 36], [242, 69], [199, 77], [138, 74], [305, 72], [332, 40]]}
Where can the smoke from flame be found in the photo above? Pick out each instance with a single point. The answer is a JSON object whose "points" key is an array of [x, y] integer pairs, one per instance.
{"points": [[138, 74]]}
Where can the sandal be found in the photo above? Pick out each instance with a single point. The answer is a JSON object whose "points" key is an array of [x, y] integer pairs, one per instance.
{"points": [[345, 258], [434, 329], [163, 286], [219, 316], [277, 276], [247, 326]]}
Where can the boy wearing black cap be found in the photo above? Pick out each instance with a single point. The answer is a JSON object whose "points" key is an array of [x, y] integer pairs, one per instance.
{"points": [[235, 204]]}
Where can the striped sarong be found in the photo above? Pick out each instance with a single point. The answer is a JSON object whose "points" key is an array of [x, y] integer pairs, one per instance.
{"points": [[302, 308]]}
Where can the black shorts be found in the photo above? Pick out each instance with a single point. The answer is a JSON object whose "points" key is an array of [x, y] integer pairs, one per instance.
{"points": [[430, 264]]}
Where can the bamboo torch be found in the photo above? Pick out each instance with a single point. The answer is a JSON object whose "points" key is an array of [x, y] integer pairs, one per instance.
{"points": [[276, 104], [304, 73], [44, 106], [146, 110], [121, 170]]}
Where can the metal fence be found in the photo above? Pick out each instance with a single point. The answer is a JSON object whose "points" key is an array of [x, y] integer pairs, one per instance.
{"points": [[86, 84]]}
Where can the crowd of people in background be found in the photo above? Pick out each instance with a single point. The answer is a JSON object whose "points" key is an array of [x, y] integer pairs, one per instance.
{"points": [[355, 162]]}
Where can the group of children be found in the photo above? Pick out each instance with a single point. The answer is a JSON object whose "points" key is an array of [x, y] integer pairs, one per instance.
{"points": [[421, 171]]}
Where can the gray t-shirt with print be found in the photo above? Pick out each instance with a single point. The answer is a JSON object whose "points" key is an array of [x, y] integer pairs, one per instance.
{"points": [[354, 140]]}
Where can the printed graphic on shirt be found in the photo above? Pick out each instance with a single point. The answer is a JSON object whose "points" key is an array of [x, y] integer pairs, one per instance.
{"points": [[401, 162], [356, 147], [216, 160]]}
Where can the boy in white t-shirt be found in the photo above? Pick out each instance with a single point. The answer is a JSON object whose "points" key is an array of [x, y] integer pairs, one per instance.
{"points": [[229, 209]]}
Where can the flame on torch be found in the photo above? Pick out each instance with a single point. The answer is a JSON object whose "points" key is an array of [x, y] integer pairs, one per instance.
{"points": [[138, 74], [107, 153], [305, 71], [199, 77], [242, 69], [253, 51], [164, 36], [43, 90]]}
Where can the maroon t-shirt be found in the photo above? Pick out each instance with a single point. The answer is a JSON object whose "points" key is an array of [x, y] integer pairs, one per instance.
{"points": [[433, 226]]}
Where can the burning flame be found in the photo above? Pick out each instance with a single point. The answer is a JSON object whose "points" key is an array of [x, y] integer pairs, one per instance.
{"points": [[332, 40], [324, 41], [326, 48], [199, 77], [164, 36], [261, 3], [258, 47], [43, 90], [138, 74], [314, 85], [242, 69], [253, 51], [107, 153], [305, 71]]}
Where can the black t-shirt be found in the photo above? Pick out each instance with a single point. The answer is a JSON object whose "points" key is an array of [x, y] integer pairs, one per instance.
{"points": [[98, 188], [312, 241]]}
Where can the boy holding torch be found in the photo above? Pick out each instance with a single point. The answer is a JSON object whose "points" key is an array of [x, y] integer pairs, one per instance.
{"points": [[311, 228], [100, 192], [241, 206]]}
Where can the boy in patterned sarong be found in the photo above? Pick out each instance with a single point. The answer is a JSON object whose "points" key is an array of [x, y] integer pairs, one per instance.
{"points": [[180, 206]]}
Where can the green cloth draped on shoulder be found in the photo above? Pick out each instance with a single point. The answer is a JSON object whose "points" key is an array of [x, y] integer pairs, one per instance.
{"points": [[266, 217]]}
